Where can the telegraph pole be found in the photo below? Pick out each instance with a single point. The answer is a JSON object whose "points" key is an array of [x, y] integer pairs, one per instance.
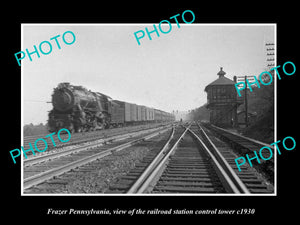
{"points": [[246, 103], [270, 52], [244, 78]]}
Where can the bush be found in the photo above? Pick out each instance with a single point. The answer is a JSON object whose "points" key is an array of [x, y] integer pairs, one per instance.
{"points": [[31, 129]]}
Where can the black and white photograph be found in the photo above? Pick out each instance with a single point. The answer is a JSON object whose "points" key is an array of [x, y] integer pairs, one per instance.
{"points": [[172, 115], [133, 112]]}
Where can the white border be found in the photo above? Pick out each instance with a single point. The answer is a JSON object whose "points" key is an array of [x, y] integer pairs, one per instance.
{"points": [[22, 117], [147, 24]]}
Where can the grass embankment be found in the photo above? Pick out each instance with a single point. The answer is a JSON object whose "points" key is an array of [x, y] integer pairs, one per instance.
{"points": [[262, 129]]}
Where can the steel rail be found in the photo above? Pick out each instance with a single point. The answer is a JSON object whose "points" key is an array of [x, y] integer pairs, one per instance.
{"points": [[245, 138], [41, 177], [53, 155], [142, 186], [224, 177], [89, 137], [234, 177], [138, 183]]}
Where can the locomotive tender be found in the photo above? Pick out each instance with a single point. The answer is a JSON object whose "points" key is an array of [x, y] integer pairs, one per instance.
{"points": [[79, 110]]}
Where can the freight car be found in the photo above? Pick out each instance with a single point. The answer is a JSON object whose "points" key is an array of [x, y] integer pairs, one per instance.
{"points": [[78, 110], [124, 113]]}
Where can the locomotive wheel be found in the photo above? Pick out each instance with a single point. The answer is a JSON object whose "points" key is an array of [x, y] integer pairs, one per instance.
{"points": [[106, 125], [71, 128], [78, 129]]}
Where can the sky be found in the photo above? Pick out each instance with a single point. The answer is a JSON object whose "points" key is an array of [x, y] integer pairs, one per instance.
{"points": [[168, 72]]}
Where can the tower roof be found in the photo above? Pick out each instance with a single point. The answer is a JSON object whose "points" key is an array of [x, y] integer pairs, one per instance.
{"points": [[221, 72], [222, 80]]}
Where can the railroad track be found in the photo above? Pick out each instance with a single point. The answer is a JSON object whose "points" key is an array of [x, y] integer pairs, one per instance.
{"points": [[241, 145], [80, 138], [189, 162], [253, 179], [83, 145], [42, 168]]}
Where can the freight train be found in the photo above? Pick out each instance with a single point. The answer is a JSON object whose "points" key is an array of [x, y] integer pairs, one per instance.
{"points": [[80, 110]]}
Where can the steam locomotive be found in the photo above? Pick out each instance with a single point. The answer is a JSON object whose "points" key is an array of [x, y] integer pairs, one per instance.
{"points": [[80, 110]]}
